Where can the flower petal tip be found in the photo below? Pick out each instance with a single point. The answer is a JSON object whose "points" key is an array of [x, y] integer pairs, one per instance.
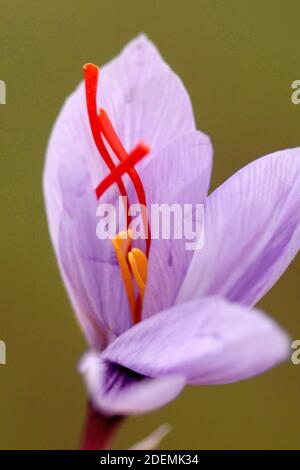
{"points": [[152, 442]]}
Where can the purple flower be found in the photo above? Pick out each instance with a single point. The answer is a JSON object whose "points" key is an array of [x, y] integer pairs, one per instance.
{"points": [[198, 325]]}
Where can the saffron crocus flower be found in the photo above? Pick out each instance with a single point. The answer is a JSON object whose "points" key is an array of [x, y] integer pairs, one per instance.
{"points": [[158, 317]]}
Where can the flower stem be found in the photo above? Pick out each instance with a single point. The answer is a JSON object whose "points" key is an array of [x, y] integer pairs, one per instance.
{"points": [[98, 430]]}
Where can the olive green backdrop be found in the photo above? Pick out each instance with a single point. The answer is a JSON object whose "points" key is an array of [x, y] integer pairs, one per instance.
{"points": [[237, 59]]}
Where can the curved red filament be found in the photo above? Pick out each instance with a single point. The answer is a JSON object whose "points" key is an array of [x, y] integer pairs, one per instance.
{"points": [[117, 147], [102, 125], [91, 74]]}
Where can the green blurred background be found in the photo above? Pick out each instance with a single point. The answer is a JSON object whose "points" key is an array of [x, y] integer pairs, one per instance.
{"points": [[238, 60]]}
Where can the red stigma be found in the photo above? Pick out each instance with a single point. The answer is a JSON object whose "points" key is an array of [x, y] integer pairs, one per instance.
{"points": [[101, 125], [138, 153]]}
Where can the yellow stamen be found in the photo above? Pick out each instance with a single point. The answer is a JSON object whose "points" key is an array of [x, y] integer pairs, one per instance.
{"points": [[138, 263], [133, 262], [121, 244]]}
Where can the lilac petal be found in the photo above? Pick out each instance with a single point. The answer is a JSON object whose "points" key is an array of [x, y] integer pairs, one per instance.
{"points": [[89, 266], [208, 340], [67, 188], [179, 174], [92, 270], [252, 231], [115, 390], [144, 98]]}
